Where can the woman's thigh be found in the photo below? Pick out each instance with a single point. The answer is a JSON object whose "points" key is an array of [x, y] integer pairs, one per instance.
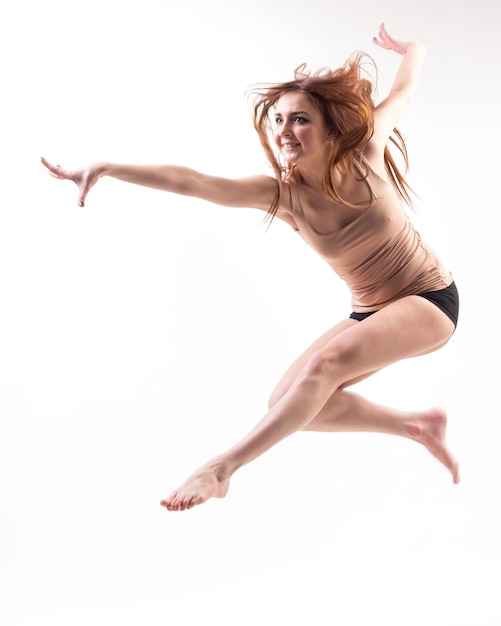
{"points": [[409, 327]]}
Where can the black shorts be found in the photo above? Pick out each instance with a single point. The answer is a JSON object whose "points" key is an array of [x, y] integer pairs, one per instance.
{"points": [[446, 299]]}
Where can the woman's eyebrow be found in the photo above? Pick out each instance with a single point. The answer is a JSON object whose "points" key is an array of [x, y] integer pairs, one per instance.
{"points": [[294, 113]]}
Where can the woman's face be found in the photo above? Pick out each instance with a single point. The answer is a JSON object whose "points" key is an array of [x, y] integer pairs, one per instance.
{"points": [[299, 130]]}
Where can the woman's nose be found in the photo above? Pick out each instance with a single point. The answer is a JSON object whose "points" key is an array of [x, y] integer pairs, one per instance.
{"points": [[285, 129]]}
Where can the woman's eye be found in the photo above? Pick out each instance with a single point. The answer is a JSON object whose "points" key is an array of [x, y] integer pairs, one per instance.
{"points": [[299, 120]]}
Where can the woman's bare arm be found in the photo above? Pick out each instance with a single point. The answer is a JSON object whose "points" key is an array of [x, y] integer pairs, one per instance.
{"points": [[389, 112], [253, 192]]}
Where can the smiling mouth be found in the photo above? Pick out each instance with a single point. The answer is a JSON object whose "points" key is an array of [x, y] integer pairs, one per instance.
{"points": [[290, 145]]}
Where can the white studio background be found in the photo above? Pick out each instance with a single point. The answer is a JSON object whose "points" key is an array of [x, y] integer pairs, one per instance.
{"points": [[142, 335]]}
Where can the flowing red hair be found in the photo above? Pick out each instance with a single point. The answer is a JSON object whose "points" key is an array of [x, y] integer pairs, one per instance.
{"points": [[345, 99]]}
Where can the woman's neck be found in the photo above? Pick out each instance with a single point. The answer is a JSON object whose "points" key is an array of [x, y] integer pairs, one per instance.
{"points": [[309, 178]]}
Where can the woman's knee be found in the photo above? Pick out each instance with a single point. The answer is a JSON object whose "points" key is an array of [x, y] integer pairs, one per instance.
{"points": [[315, 367], [329, 363], [331, 359], [322, 367]]}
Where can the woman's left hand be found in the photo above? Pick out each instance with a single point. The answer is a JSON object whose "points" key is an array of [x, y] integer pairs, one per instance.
{"points": [[387, 42]]}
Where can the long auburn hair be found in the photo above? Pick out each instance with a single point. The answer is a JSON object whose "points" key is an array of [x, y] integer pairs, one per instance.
{"points": [[345, 99]]}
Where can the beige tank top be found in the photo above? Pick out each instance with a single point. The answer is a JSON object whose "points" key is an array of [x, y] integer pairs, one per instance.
{"points": [[379, 255]]}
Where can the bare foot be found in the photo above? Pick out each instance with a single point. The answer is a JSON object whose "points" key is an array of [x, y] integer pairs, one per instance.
{"points": [[429, 429], [207, 482]]}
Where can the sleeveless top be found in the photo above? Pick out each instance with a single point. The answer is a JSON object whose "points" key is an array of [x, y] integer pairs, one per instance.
{"points": [[380, 255]]}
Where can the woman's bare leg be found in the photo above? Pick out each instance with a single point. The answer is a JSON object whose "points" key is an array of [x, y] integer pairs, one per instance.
{"points": [[348, 412], [353, 353]]}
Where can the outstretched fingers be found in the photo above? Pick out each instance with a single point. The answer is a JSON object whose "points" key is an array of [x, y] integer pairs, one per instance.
{"points": [[84, 179], [387, 42], [55, 170]]}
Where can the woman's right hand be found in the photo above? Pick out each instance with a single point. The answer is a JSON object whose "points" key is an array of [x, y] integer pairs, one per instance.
{"points": [[84, 178]]}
